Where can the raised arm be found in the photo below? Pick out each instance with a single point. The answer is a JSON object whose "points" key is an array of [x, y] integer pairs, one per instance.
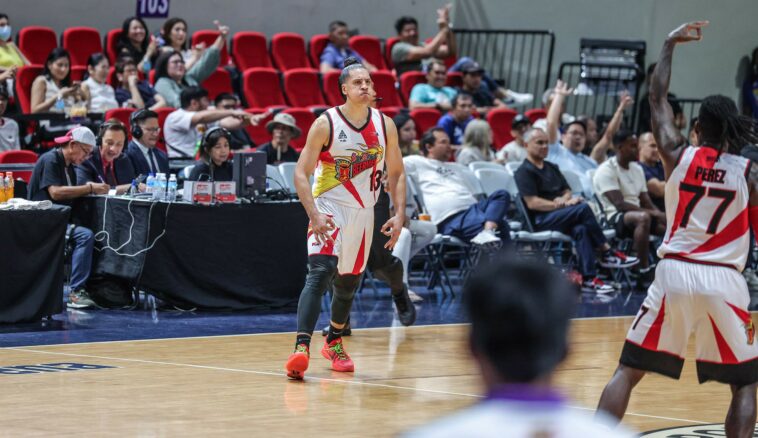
{"points": [[600, 150], [556, 108]]}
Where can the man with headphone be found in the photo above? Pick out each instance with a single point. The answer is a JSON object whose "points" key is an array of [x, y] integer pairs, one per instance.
{"points": [[108, 164], [145, 157]]}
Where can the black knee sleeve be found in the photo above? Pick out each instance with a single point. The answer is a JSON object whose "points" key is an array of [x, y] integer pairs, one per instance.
{"points": [[392, 274], [321, 270], [342, 300]]}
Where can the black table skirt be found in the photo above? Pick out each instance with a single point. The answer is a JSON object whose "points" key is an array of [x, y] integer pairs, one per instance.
{"points": [[31, 263], [214, 257]]}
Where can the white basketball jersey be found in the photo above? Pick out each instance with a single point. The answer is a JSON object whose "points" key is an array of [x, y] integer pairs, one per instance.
{"points": [[349, 171], [707, 209]]}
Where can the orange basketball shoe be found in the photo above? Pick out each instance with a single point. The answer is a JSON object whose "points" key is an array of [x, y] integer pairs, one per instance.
{"points": [[297, 363], [335, 352]]}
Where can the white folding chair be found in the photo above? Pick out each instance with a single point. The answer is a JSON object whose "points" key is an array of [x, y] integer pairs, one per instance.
{"points": [[275, 178], [493, 180], [512, 166], [574, 181], [476, 165], [471, 179], [287, 171]]}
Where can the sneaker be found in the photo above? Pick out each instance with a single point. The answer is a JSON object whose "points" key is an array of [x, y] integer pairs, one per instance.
{"points": [[415, 298], [80, 299], [486, 238], [519, 98], [346, 331], [617, 259], [406, 311], [335, 352], [598, 286], [297, 363]]}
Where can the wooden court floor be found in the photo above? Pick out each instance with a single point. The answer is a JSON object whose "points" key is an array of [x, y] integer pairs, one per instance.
{"points": [[235, 385]]}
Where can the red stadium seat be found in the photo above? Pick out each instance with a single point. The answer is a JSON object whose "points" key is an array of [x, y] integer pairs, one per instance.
{"points": [[388, 43], [536, 114], [384, 85], [302, 87], [262, 88], [259, 134], [162, 114], [19, 157], [500, 120], [77, 72], [24, 78], [288, 51], [304, 118], [315, 47], [370, 48], [425, 118], [111, 41], [81, 42], [218, 82], [454, 79], [122, 114], [209, 37], [151, 77], [36, 42], [408, 80], [249, 50], [391, 111], [331, 85]]}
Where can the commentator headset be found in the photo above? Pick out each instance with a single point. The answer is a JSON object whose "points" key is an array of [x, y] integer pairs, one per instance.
{"points": [[217, 132], [106, 126], [134, 120]]}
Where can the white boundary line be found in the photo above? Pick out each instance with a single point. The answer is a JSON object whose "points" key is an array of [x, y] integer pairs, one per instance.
{"points": [[323, 379]]}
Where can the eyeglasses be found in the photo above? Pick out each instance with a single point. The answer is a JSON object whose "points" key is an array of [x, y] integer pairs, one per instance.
{"points": [[87, 152], [177, 61]]}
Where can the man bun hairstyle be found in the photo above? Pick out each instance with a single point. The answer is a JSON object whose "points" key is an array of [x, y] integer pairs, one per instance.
{"points": [[351, 63]]}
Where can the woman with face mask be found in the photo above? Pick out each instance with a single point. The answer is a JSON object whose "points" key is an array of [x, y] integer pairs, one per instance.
{"points": [[10, 56]]}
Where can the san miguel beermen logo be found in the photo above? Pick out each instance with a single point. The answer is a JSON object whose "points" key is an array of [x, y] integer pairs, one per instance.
{"points": [[750, 332], [700, 431], [362, 159]]}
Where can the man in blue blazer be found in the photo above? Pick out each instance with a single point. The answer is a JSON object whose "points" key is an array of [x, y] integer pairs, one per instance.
{"points": [[143, 154], [107, 164]]}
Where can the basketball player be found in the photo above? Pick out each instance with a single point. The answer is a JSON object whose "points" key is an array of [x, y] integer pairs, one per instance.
{"points": [[711, 200], [347, 147]]}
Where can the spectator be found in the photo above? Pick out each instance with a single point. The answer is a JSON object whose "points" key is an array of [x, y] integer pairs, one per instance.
{"points": [[449, 198], [107, 164], [653, 168], [406, 134], [600, 148], [592, 137], [146, 158], [692, 136], [172, 76], [54, 179], [408, 54], [181, 126], [515, 150], [10, 55], [547, 102], [620, 185], [454, 123], [53, 91], [99, 94], [174, 38], [520, 315], [338, 49], [131, 92], [477, 143], [135, 43], [240, 139], [433, 94], [9, 138], [472, 84], [215, 152], [749, 88], [283, 130], [552, 207]]}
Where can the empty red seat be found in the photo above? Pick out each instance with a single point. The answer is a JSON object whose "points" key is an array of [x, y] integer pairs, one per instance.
{"points": [[259, 134], [162, 114], [304, 118], [391, 111], [454, 79], [122, 114], [288, 51], [316, 45], [302, 87], [500, 120], [370, 48], [209, 37], [262, 88], [331, 85], [384, 85], [425, 118], [536, 114], [408, 80], [220, 81], [81, 42], [36, 42], [77, 72], [19, 157], [388, 43], [23, 83], [111, 41], [249, 50]]}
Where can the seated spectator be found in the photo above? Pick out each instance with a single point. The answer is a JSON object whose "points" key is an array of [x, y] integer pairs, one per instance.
{"points": [[107, 163], [131, 92], [620, 184], [53, 91], [408, 54], [146, 158], [10, 55], [515, 150], [509, 302], [240, 138], [477, 143], [338, 49], [484, 100], [449, 198], [136, 43], [283, 130], [433, 94], [599, 148], [54, 179], [172, 76], [454, 123], [406, 134], [650, 161], [174, 39], [9, 138], [99, 94], [552, 207], [181, 126], [215, 153]]}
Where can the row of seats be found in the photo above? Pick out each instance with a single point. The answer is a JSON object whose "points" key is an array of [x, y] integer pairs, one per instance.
{"points": [[286, 51]]}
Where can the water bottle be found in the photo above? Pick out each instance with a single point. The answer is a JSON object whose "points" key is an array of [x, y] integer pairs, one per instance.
{"points": [[160, 192], [172, 184], [150, 183]]}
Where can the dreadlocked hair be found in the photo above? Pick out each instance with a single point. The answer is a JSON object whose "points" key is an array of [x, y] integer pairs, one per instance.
{"points": [[721, 124]]}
